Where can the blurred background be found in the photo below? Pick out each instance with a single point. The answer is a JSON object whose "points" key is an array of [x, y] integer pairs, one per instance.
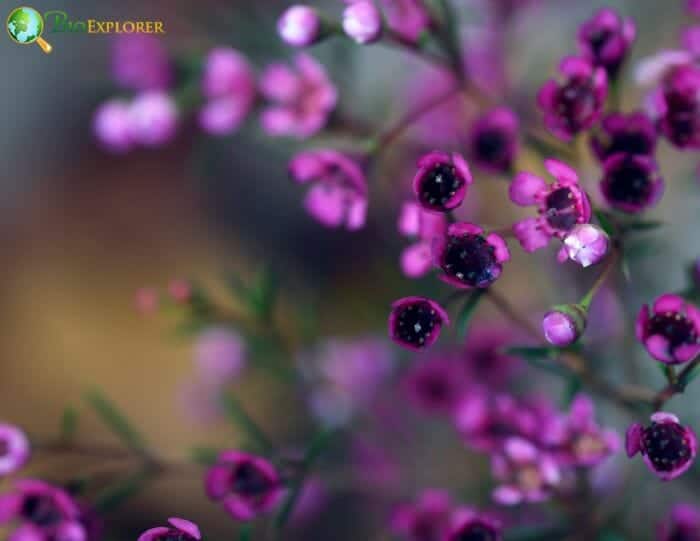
{"points": [[82, 230]]}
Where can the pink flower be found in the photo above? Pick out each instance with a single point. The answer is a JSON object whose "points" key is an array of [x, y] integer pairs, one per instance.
{"points": [[684, 521], [469, 525], [493, 141], [631, 183], [676, 106], [577, 440], [415, 322], [468, 257], [564, 325], [300, 26], [436, 384], [407, 18], [14, 449], [338, 195], [246, 485], [219, 355], [561, 206], [441, 182], [416, 259], [586, 244], [605, 40], [111, 127], [526, 474], [362, 21], [670, 330], [140, 62], [180, 529], [577, 103], [153, 118], [303, 99], [426, 519], [668, 448], [228, 84]]}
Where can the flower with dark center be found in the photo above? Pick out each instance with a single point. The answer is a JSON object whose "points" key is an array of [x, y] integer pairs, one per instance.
{"points": [[468, 257], [605, 40], [14, 449], [676, 106], [561, 206], [415, 322], [245, 484], [435, 385], [526, 474], [43, 511], [179, 530], [683, 523], [468, 525], [426, 519], [668, 448], [633, 133], [631, 183], [441, 182], [493, 142], [338, 193], [670, 330], [576, 104]]}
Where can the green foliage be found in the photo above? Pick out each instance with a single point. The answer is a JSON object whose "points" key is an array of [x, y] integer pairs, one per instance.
{"points": [[115, 495], [467, 311]]}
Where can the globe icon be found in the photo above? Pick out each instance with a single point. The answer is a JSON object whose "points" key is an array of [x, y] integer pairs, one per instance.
{"points": [[25, 25]]}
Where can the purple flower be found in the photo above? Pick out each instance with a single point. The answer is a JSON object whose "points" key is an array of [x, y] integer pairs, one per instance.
{"points": [[140, 62], [493, 142], [586, 244], [690, 39], [468, 258], [676, 105], [654, 69], [338, 196], [415, 322], [406, 18], [246, 485], [486, 420], [346, 376], [42, 512], [692, 7], [435, 385], [441, 182], [670, 331], [152, 118], [111, 127], [417, 259], [668, 448], [179, 529], [564, 325], [605, 40], [14, 449], [576, 104], [631, 183], [146, 300], [299, 26], [577, 440], [228, 84], [683, 524], [180, 290], [561, 205], [303, 99], [526, 474], [426, 519], [471, 526], [484, 356], [633, 133], [219, 355], [362, 21]]}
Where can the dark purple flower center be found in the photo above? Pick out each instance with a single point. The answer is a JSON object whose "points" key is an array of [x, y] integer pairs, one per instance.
{"points": [[415, 323], [470, 259], [475, 532], [598, 39], [4, 448], [435, 388], [666, 445], [561, 209], [576, 104], [674, 327], [683, 125], [427, 527], [682, 534], [248, 480], [630, 142], [630, 183], [40, 510], [491, 146], [439, 185]]}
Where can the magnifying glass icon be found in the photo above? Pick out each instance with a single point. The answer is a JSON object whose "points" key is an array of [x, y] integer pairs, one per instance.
{"points": [[25, 25]]}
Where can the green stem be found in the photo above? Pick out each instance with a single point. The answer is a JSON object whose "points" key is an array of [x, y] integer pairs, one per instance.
{"points": [[237, 414], [585, 302]]}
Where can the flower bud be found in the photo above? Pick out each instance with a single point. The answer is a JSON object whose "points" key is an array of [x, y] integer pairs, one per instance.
{"points": [[564, 324], [362, 21], [300, 26], [587, 244]]}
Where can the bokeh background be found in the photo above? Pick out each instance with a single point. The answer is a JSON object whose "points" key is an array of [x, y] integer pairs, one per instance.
{"points": [[82, 230]]}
